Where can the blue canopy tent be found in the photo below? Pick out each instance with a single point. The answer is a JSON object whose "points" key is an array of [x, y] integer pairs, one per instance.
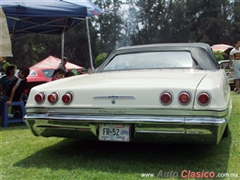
{"points": [[92, 9], [48, 16]]}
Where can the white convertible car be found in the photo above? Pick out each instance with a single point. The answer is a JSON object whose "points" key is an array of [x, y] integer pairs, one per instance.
{"points": [[163, 91]]}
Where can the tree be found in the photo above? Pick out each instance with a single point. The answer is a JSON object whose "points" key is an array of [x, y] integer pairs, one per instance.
{"points": [[218, 55], [29, 49], [139, 22], [183, 21], [6, 64], [208, 20], [109, 25], [234, 30], [76, 44], [100, 58], [152, 15]]}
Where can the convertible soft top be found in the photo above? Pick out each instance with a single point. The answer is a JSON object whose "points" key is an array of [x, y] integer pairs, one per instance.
{"points": [[201, 52]]}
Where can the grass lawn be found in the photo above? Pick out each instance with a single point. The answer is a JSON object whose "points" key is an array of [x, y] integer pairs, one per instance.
{"points": [[26, 157]]}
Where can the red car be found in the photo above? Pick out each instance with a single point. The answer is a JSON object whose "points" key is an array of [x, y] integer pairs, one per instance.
{"points": [[37, 76]]}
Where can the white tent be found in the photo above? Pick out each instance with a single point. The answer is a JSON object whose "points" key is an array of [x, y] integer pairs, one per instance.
{"points": [[5, 41]]}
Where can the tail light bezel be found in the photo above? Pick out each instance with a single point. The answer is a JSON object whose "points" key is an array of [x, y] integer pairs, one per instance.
{"points": [[43, 95], [185, 92], [209, 97], [167, 92], [57, 98], [70, 93]]}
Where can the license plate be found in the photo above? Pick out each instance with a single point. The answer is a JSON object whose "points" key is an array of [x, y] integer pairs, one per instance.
{"points": [[109, 132]]}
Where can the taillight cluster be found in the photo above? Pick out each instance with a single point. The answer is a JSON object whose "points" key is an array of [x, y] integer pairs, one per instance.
{"points": [[166, 98], [203, 98], [67, 98], [184, 98], [54, 97], [39, 98]]}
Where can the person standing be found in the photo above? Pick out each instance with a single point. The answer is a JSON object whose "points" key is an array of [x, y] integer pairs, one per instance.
{"points": [[15, 90], [234, 62], [63, 65]]}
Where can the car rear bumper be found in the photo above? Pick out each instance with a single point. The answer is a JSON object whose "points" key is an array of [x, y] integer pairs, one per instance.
{"points": [[161, 129]]}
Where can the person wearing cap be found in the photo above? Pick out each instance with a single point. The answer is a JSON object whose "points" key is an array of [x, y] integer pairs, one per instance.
{"points": [[63, 65]]}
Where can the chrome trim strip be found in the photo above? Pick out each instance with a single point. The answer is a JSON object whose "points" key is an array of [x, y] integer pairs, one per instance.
{"points": [[160, 132], [130, 119], [114, 97], [110, 111]]}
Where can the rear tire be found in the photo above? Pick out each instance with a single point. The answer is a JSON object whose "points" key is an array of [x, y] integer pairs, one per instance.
{"points": [[226, 131]]}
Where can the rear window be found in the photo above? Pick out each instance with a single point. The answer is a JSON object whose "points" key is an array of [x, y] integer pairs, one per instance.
{"points": [[48, 73], [151, 60], [224, 65], [32, 73]]}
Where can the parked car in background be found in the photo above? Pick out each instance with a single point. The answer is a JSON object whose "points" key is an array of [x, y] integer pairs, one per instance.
{"points": [[37, 76], [172, 92], [224, 64]]}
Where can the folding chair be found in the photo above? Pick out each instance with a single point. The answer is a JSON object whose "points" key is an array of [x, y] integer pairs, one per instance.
{"points": [[5, 117]]}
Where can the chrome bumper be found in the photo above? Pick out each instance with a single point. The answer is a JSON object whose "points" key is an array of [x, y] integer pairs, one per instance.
{"points": [[189, 129]]}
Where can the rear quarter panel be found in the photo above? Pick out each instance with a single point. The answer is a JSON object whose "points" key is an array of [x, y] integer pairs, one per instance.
{"points": [[216, 84]]}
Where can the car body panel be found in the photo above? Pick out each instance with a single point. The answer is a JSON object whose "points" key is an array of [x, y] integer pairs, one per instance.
{"points": [[40, 75], [131, 84], [132, 97], [224, 64]]}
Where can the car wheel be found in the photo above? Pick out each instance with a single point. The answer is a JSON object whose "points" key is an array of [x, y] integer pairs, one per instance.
{"points": [[232, 86], [226, 131]]}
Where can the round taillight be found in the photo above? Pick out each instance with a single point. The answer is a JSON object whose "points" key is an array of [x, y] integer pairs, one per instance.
{"points": [[39, 98], [204, 98], [184, 98], [67, 98], [53, 98], [166, 98]]}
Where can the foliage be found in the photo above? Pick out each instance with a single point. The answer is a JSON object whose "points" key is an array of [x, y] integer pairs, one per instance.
{"points": [[219, 55], [76, 44], [100, 58], [24, 156], [28, 49], [6, 64], [183, 21], [133, 22], [234, 27], [209, 20], [110, 25]]}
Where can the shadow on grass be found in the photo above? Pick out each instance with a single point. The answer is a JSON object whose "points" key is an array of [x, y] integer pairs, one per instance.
{"points": [[134, 157]]}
